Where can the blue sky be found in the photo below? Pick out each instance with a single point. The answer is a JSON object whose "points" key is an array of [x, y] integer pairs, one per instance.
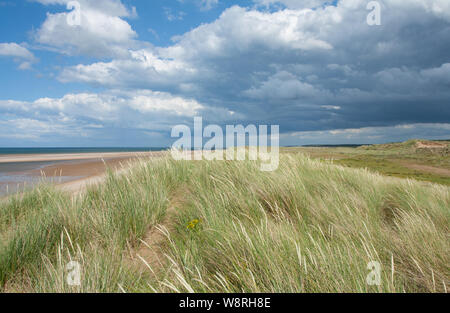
{"points": [[154, 24], [133, 69]]}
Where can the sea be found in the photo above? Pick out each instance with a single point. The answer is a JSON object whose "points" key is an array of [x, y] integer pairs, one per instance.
{"points": [[4, 151], [16, 177]]}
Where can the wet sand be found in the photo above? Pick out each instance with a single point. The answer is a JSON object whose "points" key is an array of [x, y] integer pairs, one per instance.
{"points": [[71, 171], [9, 158], [84, 168]]}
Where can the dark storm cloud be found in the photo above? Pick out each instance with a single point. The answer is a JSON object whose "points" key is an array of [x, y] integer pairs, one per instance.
{"points": [[292, 67], [306, 70]]}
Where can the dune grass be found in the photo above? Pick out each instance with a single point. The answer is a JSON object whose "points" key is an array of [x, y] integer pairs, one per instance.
{"points": [[409, 159], [310, 226]]}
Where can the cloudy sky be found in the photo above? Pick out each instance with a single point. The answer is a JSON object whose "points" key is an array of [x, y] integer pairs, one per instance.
{"points": [[132, 69]]}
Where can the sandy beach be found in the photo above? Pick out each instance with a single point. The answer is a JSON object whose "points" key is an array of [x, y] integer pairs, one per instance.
{"points": [[71, 172], [70, 156]]}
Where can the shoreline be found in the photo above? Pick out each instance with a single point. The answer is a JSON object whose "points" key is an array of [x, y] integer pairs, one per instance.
{"points": [[18, 158], [76, 169]]}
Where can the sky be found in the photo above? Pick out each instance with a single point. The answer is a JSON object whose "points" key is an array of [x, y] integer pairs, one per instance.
{"points": [[127, 71]]}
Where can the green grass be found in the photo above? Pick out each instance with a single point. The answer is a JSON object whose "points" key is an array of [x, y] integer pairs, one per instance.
{"points": [[389, 159], [310, 226], [392, 168], [43, 229]]}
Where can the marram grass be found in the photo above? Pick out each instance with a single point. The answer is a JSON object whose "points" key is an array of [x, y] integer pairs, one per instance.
{"points": [[309, 226]]}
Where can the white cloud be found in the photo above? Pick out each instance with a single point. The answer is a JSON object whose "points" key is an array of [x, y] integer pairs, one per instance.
{"points": [[140, 117], [294, 66], [237, 32], [148, 102], [142, 68], [321, 69], [109, 7], [294, 4], [173, 16], [440, 8], [208, 4], [364, 135], [22, 54], [106, 106], [283, 85], [438, 74], [102, 31], [142, 110], [15, 50]]}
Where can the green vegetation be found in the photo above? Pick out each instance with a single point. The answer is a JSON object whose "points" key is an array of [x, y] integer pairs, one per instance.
{"points": [[310, 226], [419, 159]]}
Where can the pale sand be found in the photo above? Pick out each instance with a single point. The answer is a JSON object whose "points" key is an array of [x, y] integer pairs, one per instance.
{"points": [[90, 166], [70, 156], [97, 171], [79, 185]]}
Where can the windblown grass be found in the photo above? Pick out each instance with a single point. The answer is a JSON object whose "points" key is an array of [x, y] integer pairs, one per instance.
{"points": [[310, 226], [410, 159]]}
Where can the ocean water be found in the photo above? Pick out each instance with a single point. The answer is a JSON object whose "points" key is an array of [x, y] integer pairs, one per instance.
{"points": [[14, 167], [10, 184], [18, 176], [4, 151]]}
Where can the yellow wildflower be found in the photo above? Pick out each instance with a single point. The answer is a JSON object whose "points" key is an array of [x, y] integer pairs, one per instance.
{"points": [[192, 224]]}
